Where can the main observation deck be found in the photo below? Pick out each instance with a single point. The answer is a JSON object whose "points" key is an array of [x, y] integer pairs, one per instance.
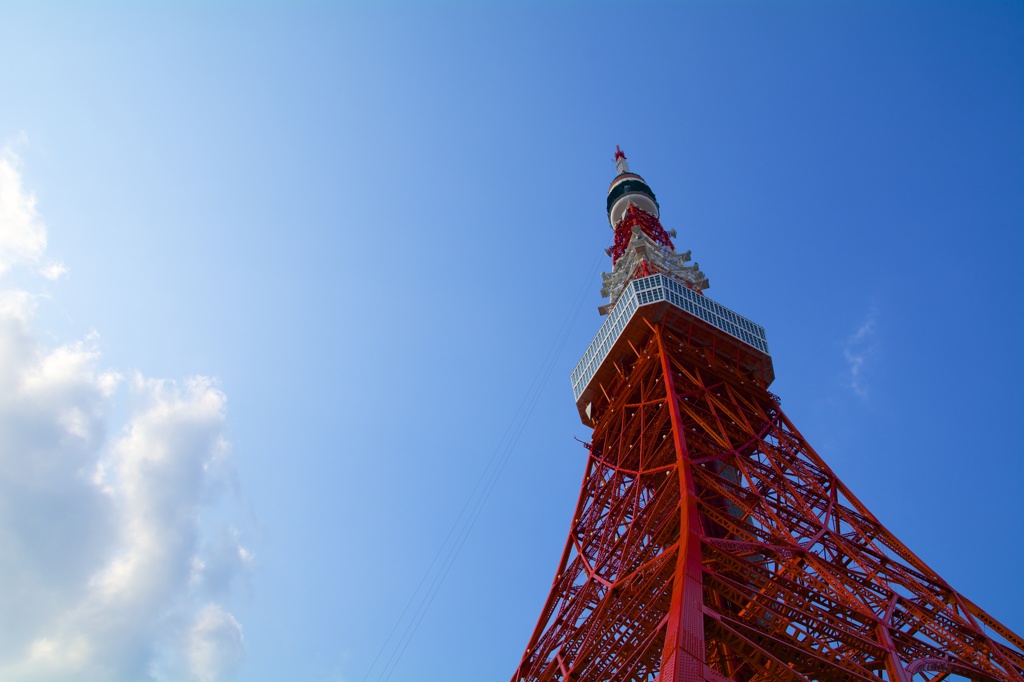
{"points": [[659, 297]]}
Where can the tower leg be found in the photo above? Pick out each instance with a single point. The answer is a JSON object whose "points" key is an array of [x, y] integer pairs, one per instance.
{"points": [[682, 659]]}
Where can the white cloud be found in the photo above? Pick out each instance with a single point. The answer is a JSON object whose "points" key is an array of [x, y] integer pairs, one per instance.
{"points": [[107, 572], [214, 644], [22, 233], [857, 351], [54, 271]]}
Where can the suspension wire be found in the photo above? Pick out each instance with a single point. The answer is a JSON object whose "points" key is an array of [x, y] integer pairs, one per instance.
{"points": [[530, 402], [477, 498], [472, 495]]}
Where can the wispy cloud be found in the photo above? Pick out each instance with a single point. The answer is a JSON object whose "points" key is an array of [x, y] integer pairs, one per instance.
{"points": [[108, 574], [22, 231], [54, 270], [858, 351]]}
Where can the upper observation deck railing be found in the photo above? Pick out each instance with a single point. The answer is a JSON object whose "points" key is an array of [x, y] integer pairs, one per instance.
{"points": [[654, 289]]}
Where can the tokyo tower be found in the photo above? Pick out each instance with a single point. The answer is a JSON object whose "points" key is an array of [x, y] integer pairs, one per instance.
{"points": [[710, 541]]}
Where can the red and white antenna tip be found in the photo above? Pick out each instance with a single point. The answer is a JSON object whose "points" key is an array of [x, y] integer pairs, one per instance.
{"points": [[621, 165]]}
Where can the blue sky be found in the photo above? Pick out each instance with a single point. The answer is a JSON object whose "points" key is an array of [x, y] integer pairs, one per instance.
{"points": [[316, 254]]}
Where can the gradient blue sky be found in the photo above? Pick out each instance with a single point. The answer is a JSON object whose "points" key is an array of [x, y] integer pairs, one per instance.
{"points": [[368, 224]]}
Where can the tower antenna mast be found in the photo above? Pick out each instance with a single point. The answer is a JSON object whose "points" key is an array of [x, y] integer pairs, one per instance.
{"points": [[710, 541]]}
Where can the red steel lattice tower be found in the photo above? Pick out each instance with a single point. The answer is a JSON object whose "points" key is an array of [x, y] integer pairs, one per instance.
{"points": [[710, 541]]}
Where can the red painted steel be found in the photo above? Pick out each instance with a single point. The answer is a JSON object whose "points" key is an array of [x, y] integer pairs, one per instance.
{"points": [[648, 223], [711, 542]]}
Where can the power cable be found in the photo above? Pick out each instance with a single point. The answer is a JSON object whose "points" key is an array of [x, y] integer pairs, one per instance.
{"points": [[475, 503], [531, 399]]}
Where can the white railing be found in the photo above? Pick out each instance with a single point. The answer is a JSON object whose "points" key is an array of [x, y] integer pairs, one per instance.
{"points": [[654, 289]]}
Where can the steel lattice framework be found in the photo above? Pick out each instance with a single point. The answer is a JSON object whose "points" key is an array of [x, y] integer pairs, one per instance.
{"points": [[710, 541]]}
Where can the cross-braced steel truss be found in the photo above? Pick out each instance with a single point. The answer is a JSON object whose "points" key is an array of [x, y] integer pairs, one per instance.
{"points": [[711, 542]]}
